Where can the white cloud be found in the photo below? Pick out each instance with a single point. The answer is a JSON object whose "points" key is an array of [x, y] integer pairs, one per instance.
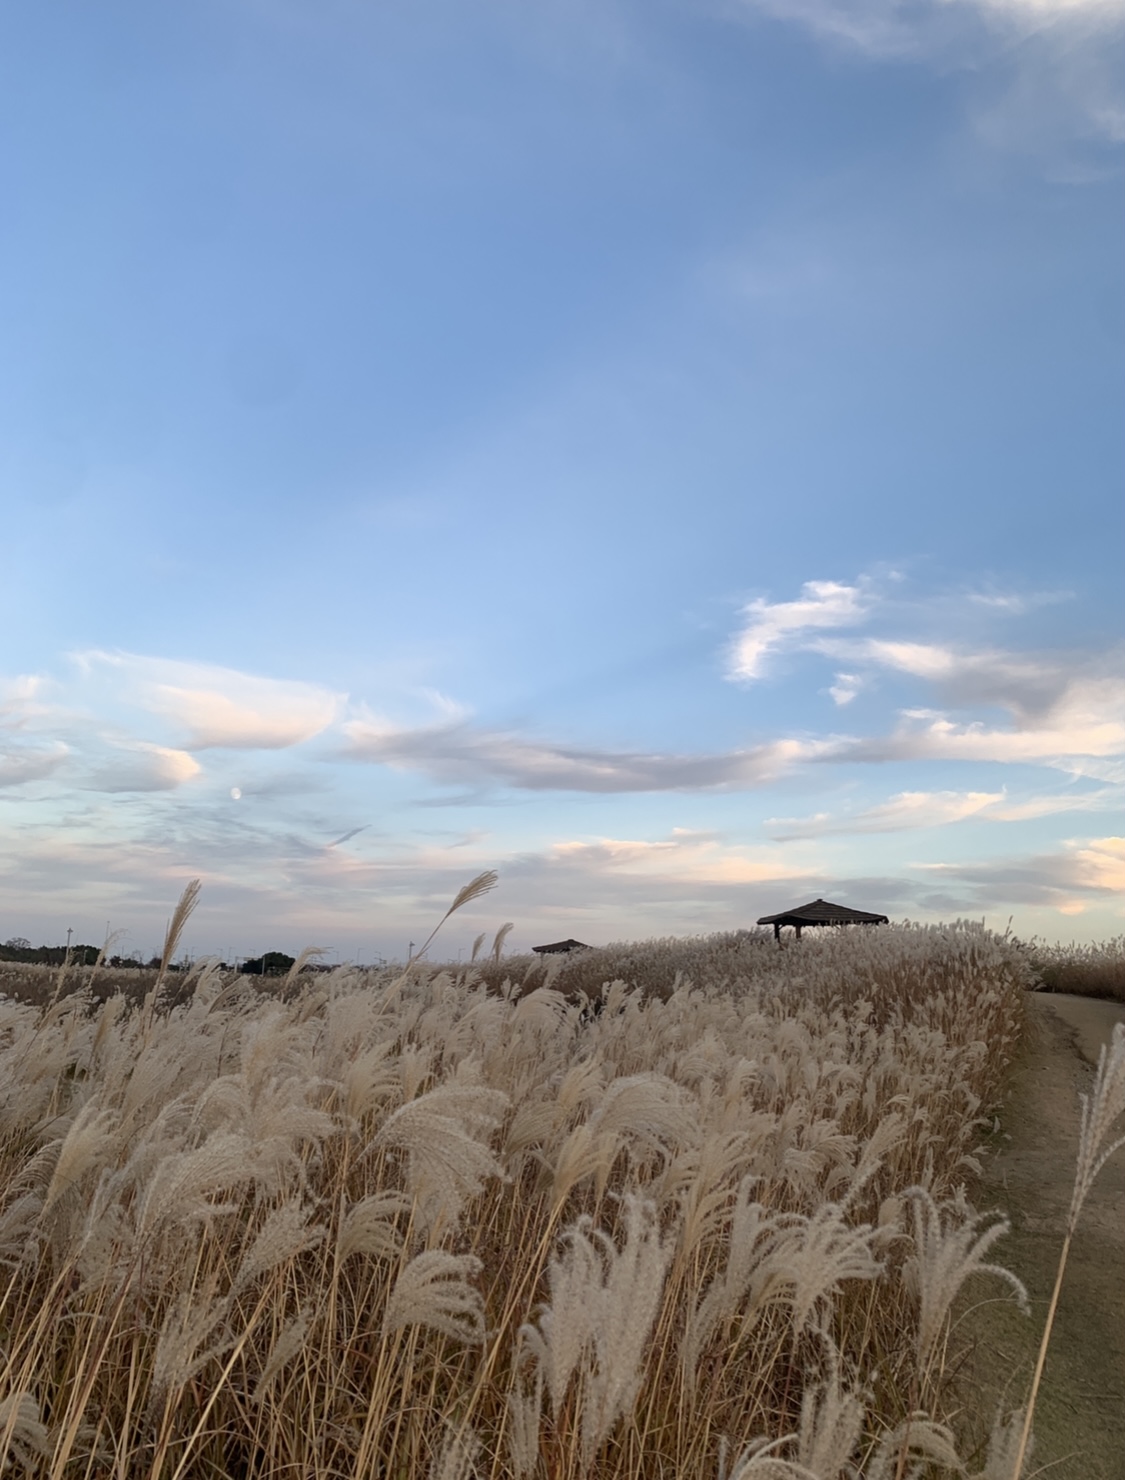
{"points": [[846, 687], [775, 626], [214, 707]]}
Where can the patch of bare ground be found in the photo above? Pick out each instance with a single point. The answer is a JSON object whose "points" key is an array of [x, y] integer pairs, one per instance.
{"points": [[1029, 1175]]}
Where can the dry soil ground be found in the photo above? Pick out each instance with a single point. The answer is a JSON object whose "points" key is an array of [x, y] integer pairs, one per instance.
{"points": [[1080, 1417]]}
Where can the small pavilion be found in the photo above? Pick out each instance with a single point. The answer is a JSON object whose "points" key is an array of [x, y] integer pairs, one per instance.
{"points": [[560, 948], [820, 912]]}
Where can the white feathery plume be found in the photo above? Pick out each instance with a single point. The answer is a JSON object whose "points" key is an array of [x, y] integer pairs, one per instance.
{"points": [[758, 1462], [584, 1153], [648, 1109], [369, 1227], [457, 1458], [499, 939], [370, 1078], [23, 1434], [465, 895], [754, 1234], [566, 1323], [810, 1260], [525, 1411], [93, 1133], [1004, 1459], [182, 1185], [626, 1311], [446, 1163], [831, 1420], [188, 1324], [917, 1437], [433, 1290], [1101, 1110], [180, 916], [284, 1235], [949, 1246], [310, 953]]}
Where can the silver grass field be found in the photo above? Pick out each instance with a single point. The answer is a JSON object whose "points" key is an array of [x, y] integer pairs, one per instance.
{"points": [[681, 1209]]}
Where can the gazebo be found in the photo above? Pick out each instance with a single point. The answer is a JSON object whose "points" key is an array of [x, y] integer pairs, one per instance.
{"points": [[820, 912], [560, 948]]}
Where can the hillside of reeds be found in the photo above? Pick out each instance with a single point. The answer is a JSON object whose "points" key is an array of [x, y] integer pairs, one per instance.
{"points": [[695, 1211], [1090, 969]]}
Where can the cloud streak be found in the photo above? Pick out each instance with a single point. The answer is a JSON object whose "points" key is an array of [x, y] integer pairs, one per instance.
{"points": [[463, 754]]}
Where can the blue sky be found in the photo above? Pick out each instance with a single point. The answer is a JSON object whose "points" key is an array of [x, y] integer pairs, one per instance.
{"points": [[670, 453]]}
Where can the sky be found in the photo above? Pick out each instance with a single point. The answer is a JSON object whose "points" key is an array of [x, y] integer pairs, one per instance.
{"points": [[669, 452]]}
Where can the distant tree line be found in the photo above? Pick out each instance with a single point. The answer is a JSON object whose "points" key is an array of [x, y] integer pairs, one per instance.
{"points": [[18, 948]]}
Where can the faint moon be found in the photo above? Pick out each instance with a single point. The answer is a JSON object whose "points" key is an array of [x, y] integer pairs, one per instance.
{"points": [[236, 792]]}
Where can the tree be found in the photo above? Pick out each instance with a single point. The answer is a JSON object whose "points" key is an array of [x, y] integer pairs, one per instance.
{"points": [[273, 963]]}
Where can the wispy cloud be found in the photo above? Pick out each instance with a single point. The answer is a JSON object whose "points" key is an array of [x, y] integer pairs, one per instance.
{"points": [[219, 708], [1051, 83], [772, 627], [21, 764], [909, 809], [463, 754], [1062, 706], [1068, 880]]}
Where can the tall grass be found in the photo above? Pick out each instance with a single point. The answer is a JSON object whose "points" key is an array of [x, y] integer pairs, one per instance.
{"points": [[1092, 969], [452, 1222]]}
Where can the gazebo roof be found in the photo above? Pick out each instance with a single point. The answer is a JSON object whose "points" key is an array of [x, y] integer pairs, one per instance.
{"points": [[821, 912], [560, 946]]}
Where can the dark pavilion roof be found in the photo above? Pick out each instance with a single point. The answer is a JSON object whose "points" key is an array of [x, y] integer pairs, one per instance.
{"points": [[821, 912], [560, 946]]}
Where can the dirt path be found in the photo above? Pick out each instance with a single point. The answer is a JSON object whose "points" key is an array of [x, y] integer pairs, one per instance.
{"points": [[1080, 1416]]}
